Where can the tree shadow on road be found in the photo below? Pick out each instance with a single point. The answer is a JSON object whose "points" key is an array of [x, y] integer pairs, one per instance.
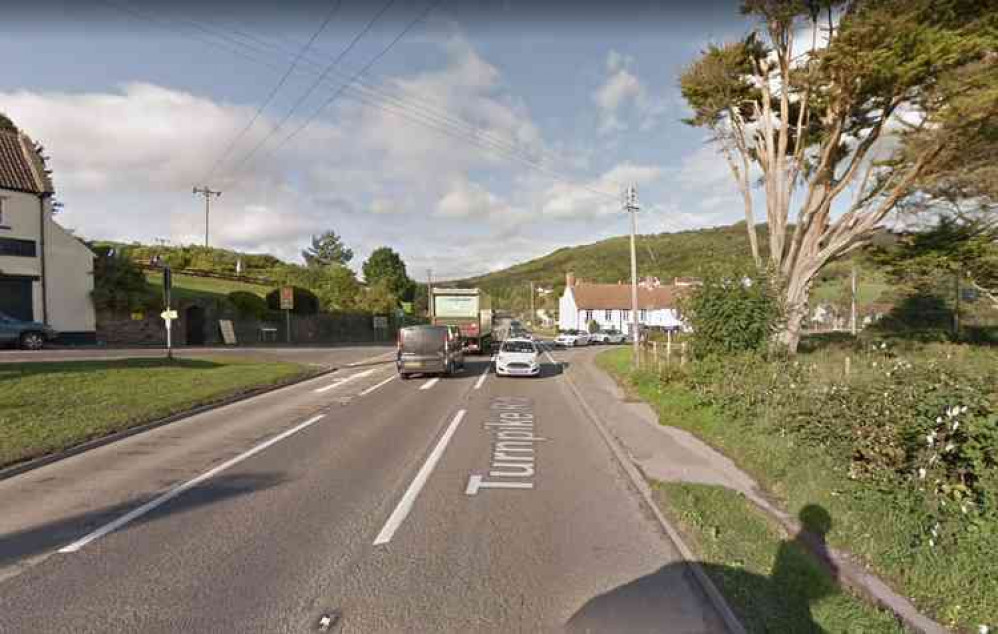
{"points": [[45, 538], [802, 574]]}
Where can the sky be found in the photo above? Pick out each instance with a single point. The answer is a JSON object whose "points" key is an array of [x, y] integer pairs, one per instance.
{"points": [[489, 133]]}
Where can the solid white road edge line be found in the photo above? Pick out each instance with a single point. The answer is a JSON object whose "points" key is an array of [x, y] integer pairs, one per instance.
{"points": [[177, 490], [429, 384], [481, 379], [405, 504], [374, 387], [339, 382]]}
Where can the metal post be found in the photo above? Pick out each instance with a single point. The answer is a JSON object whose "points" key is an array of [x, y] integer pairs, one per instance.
{"points": [[288, 315], [207, 193], [853, 312]]}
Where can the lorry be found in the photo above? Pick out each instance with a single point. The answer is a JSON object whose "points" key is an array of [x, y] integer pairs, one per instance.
{"points": [[470, 309]]}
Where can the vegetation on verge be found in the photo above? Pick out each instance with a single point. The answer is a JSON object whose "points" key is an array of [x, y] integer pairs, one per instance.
{"points": [[902, 452], [49, 407], [770, 580]]}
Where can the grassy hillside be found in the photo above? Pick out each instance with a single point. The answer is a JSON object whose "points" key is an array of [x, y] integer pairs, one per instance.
{"points": [[665, 255], [192, 287]]}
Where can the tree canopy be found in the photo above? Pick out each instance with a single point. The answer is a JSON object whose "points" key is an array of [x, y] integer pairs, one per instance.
{"points": [[880, 102], [327, 249], [386, 266]]}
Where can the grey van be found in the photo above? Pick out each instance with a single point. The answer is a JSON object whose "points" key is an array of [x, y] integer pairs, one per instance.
{"points": [[428, 350]]}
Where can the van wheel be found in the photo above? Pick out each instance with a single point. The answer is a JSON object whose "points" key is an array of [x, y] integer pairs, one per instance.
{"points": [[450, 368], [403, 376]]}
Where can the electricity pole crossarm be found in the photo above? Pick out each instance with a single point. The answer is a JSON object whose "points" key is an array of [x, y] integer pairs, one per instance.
{"points": [[207, 193]]}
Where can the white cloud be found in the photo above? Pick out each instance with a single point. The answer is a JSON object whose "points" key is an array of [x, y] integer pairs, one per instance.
{"points": [[598, 197], [470, 200], [623, 90]]}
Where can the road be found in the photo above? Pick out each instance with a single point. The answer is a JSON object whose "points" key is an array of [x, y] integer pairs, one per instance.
{"points": [[354, 501]]}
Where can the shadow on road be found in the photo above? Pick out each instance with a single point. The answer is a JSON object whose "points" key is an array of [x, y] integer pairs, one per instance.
{"points": [[45, 538], [801, 575]]}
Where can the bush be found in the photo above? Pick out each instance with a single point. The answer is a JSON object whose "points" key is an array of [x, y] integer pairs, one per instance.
{"points": [[119, 285], [306, 303], [733, 311], [248, 304], [593, 326]]}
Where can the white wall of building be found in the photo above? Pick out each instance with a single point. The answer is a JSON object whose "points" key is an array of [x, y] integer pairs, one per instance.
{"points": [[572, 317]]}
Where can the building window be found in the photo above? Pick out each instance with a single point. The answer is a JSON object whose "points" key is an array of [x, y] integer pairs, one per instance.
{"points": [[589, 316], [625, 315], [607, 315], [643, 315], [2, 224], [15, 247]]}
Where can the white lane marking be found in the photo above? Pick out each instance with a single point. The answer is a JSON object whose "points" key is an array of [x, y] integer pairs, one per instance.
{"points": [[339, 382], [429, 384], [550, 358], [177, 490], [405, 504], [481, 379], [374, 387]]}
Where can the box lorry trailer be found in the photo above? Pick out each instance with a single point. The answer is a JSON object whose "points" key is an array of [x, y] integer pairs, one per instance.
{"points": [[470, 309]]}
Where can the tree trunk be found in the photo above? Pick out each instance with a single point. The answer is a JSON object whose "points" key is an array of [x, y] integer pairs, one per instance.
{"points": [[797, 293]]}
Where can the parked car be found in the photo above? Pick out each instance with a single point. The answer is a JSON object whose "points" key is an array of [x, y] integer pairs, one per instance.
{"points": [[518, 357], [429, 350], [572, 338], [30, 335], [609, 335]]}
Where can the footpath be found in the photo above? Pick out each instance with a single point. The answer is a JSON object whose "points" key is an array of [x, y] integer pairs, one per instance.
{"points": [[667, 454]]}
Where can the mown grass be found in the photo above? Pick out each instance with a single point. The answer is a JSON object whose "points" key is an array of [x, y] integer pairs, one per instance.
{"points": [[883, 526], [193, 287], [771, 582], [48, 407]]}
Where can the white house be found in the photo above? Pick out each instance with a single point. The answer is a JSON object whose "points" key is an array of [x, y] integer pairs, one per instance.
{"points": [[46, 274], [609, 305]]}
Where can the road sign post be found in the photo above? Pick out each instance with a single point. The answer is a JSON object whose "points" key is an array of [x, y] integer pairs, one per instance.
{"points": [[168, 313], [287, 305]]}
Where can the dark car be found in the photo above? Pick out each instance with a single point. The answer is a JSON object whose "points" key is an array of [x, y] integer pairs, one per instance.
{"points": [[30, 335], [428, 350]]}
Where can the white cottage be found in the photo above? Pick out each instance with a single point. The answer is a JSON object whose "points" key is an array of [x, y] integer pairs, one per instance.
{"points": [[46, 274], [609, 305]]}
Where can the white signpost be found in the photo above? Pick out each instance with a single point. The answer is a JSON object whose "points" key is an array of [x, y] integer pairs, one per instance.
{"points": [[168, 316]]}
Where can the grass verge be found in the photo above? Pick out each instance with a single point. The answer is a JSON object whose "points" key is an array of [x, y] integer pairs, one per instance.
{"points": [[884, 527], [771, 582], [49, 407]]}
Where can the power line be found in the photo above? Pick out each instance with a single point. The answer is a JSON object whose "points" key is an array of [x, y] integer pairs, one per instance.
{"points": [[314, 85], [273, 93]]}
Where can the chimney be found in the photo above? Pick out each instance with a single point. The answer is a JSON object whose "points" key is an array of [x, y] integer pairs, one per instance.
{"points": [[570, 279]]}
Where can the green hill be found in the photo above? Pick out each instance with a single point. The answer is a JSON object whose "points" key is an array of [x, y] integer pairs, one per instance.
{"points": [[664, 255]]}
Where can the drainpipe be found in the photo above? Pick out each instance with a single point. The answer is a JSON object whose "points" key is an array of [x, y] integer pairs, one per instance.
{"points": [[45, 295]]}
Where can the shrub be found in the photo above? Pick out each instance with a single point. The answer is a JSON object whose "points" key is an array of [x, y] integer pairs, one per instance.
{"points": [[306, 303], [592, 326], [733, 311], [248, 304], [119, 285]]}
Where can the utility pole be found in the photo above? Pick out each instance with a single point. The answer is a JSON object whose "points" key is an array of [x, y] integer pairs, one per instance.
{"points": [[956, 304], [429, 293], [631, 206], [533, 312], [852, 322], [207, 193]]}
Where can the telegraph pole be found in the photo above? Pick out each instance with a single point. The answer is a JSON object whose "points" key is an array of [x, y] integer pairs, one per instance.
{"points": [[533, 313], [853, 311], [631, 207], [429, 293], [207, 193]]}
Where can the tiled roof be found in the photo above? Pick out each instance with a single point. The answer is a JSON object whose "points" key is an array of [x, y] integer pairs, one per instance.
{"points": [[21, 169], [609, 296]]}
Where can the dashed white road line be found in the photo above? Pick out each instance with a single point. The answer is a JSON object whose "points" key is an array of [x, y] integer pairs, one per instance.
{"points": [[481, 379], [429, 384], [177, 490], [339, 382], [374, 387], [405, 504]]}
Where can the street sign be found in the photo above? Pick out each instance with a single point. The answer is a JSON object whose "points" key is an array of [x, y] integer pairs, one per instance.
{"points": [[287, 298], [168, 315]]}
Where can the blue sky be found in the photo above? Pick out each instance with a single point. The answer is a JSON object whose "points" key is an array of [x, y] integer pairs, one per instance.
{"points": [[134, 112]]}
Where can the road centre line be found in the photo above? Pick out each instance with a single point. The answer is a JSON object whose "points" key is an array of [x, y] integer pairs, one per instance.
{"points": [[374, 387], [481, 379], [405, 504], [430, 383], [177, 490], [339, 382]]}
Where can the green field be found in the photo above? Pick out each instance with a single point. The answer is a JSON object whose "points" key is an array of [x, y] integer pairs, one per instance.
{"points": [[192, 287], [48, 407]]}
